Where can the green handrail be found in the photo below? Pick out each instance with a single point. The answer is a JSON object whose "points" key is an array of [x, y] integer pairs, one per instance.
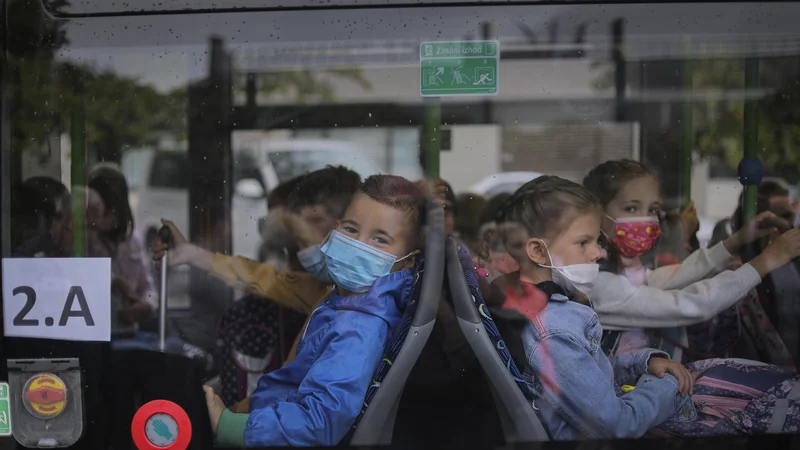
{"points": [[688, 129], [432, 137], [751, 82], [78, 178]]}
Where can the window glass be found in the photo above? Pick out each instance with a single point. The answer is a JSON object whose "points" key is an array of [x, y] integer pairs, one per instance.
{"points": [[293, 163], [120, 119], [170, 170]]}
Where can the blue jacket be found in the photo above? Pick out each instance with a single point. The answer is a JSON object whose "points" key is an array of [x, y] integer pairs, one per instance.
{"points": [[314, 399], [576, 381]]}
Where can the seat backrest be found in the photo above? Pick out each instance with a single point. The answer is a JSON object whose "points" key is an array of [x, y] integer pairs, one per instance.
{"points": [[375, 423], [513, 397]]}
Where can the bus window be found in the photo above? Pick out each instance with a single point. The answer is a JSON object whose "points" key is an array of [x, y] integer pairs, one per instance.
{"points": [[248, 127]]}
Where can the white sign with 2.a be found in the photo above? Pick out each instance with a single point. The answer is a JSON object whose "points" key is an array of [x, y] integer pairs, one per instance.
{"points": [[57, 298]]}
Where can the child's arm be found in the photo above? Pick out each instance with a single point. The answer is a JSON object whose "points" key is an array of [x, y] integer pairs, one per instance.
{"points": [[227, 426], [707, 262], [330, 396], [230, 430], [583, 395], [295, 290], [621, 305], [628, 368], [699, 265]]}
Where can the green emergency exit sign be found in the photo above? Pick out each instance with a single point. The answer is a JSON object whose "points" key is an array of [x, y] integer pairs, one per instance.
{"points": [[459, 68], [5, 411]]}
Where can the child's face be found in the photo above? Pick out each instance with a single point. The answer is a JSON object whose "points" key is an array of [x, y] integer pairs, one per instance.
{"points": [[379, 226], [639, 197], [577, 244], [318, 218]]}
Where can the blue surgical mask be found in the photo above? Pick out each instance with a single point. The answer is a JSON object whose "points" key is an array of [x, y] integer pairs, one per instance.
{"points": [[312, 259], [354, 265]]}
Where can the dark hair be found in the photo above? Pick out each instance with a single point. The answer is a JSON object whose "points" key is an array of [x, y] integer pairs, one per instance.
{"points": [[766, 191], [109, 182], [279, 196], [50, 195], [26, 218], [402, 195], [450, 197], [542, 206], [605, 181], [467, 224], [672, 240], [333, 186], [490, 209]]}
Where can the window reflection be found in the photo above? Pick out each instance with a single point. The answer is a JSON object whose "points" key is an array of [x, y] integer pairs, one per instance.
{"points": [[215, 119]]}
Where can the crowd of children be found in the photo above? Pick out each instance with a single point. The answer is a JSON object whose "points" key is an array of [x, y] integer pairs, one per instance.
{"points": [[604, 343]]}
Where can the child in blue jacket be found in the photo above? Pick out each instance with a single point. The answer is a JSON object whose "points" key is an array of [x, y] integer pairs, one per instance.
{"points": [[314, 399]]}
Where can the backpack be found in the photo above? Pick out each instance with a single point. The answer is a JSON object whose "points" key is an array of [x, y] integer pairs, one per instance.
{"points": [[255, 337]]}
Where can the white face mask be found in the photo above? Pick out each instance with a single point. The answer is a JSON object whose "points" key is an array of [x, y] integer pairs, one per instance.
{"points": [[574, 278]]}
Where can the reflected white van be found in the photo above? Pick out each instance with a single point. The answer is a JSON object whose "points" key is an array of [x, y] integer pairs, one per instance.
{"points": [[159, 184]]}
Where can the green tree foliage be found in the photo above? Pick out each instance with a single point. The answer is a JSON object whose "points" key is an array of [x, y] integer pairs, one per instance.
{"points": [[119, 111], [719, 120], [718, 116]]}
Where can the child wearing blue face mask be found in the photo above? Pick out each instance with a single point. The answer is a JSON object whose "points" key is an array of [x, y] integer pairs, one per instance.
{"points": [[314, 399], [314, 204]]}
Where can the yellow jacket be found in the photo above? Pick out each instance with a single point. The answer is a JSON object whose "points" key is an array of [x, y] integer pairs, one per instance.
{"points": [[295, 290]]}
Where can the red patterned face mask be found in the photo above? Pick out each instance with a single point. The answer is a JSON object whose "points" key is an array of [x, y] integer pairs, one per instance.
{"points": [[634, 236]]}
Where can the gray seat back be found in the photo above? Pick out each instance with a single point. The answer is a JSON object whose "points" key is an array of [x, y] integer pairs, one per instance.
{"points": [[378, 415], [512, 396]]}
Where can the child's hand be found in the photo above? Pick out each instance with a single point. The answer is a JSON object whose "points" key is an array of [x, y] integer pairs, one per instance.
{"points": [[179, 254], [778, 253], [661, 366], [305, 235], [434, 189], [750, 232], [215, 407], [689, 217]]}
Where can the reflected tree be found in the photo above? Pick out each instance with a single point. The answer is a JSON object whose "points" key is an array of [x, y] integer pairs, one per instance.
{"points": [[718, 117], [306, 85], [119, 111]]}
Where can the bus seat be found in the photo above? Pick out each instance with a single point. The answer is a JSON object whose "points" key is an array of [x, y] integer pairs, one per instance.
{"points": [[375, 423], [513, 398]]}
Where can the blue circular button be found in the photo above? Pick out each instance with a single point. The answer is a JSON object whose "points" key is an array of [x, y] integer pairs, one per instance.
{"points": [[161, 430]]}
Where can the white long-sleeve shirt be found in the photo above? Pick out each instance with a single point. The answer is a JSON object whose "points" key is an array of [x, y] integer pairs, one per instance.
{"points": [[675, 295]]}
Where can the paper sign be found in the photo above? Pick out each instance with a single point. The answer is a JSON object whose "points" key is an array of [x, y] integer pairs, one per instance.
{"points": [[57, 298]]}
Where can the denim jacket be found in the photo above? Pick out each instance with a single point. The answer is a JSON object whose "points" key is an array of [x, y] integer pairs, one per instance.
{"points": [[575, 381]]}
